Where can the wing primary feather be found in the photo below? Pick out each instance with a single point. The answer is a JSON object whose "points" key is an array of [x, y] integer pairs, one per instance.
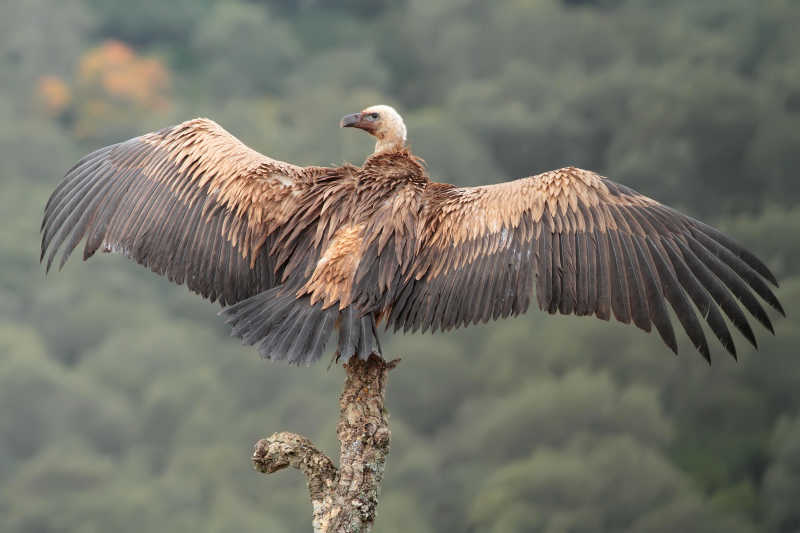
{"points": [[638, 294], [67, 191], [720, 294], [89, 216], [734, 283], [65, 210], [637, 285], [81, 171], [746, 256], [655, 300], [140, 197], [61, 201], [95, 236], [741, 268], [677, 299], [700, 297], [72, 224]]}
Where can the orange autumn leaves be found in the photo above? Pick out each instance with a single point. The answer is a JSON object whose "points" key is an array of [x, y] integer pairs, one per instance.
{"points": [[53, 95], [121, 75], [112, 82]]}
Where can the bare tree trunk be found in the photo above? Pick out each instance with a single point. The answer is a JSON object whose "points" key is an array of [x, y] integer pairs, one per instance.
{"points": [[344, 500]]}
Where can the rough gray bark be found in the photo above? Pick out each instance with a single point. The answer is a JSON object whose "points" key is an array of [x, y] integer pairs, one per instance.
{"points": [[344, 499]]}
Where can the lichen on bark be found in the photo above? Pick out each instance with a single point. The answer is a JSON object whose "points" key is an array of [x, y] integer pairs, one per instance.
{"points": [[343, 499]]}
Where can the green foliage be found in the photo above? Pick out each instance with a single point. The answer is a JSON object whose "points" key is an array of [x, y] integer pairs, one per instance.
{"points": [[238, 38], [592, 484], [783, 477], [125, 406], [152, 22]]}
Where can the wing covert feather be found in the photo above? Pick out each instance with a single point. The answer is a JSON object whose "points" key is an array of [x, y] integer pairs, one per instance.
{"points": [[190, 201], [589, 246]]}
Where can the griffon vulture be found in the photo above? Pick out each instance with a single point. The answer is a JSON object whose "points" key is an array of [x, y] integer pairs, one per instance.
{"points": [[295, 253]]}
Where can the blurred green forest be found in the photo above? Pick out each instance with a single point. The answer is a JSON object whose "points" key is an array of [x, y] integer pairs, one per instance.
{"points": [[126, 407]]}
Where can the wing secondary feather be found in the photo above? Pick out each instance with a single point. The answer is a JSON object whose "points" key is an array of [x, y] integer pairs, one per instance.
{"points": [[589, 246], [190, 202]]}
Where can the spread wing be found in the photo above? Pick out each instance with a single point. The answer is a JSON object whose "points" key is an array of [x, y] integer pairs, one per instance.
{"points": [[590, 247], [190, 202]]}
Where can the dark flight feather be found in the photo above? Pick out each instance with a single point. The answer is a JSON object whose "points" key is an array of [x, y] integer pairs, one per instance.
{"points": [[298, 252]]}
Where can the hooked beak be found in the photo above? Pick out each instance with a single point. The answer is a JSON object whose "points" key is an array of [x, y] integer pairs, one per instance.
{"points": [[350, 121]]}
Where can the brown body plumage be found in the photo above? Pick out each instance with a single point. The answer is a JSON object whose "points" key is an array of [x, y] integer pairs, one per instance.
{"points": [[296, 252]]}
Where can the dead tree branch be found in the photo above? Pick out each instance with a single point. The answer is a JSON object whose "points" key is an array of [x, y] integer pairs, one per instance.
{"points": [[344, 499]]}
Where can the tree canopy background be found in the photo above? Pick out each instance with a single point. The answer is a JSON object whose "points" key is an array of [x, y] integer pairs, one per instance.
{"points": [[125, 407]]}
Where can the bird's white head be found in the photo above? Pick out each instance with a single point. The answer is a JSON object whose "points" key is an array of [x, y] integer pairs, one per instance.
{"points": [[383, 122]]}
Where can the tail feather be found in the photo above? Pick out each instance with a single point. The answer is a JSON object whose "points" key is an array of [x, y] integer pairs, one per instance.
{"points": [[286, 328], [300, 346], [319, 339], [348, 337], [357, 335]]}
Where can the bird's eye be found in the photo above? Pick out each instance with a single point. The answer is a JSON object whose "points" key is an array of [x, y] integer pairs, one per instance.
{"points": [[372, 116]]}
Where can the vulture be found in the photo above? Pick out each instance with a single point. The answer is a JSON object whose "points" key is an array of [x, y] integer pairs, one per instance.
{"points": [[296, 253]]}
